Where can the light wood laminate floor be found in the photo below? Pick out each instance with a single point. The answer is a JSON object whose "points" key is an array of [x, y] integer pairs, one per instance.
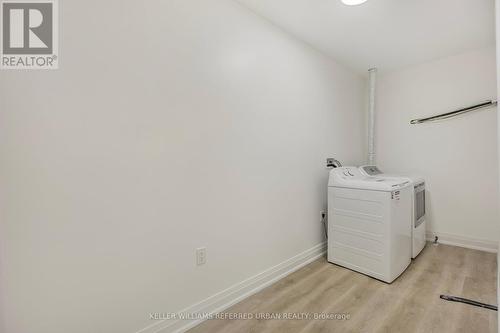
{"points": [[409, 304]]}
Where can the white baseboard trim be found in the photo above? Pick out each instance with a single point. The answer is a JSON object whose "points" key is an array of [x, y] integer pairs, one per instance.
{"points": [[462, 241], [236, 293]]}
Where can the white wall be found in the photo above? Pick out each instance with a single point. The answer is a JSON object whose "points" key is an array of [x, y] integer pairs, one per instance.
{"points": [[170, 125], [457, 157], [497, 31]]}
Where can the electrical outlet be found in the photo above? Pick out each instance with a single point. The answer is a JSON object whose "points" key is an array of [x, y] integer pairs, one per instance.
{"points": [[201, 256]]}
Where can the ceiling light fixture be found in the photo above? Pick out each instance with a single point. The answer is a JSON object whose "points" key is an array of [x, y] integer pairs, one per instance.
{"points": [[353, 2]]}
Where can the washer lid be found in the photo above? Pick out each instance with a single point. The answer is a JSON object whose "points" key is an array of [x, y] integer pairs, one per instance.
{"points": [[370, 170], [351, 177], [373, 170]]}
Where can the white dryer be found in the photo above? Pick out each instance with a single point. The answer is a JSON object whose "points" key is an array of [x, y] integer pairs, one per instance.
{"points": [[368, 223], [417, 212]]}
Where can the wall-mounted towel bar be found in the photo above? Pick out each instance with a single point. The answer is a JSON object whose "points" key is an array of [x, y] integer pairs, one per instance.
{"points": [[487, 104]]}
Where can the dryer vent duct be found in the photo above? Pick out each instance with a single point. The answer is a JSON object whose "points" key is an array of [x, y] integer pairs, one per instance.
{"points": [[372, 83]]}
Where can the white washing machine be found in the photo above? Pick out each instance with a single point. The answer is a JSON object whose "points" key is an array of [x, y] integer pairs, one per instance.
{"points": [[418, 206], [369, 227]]}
